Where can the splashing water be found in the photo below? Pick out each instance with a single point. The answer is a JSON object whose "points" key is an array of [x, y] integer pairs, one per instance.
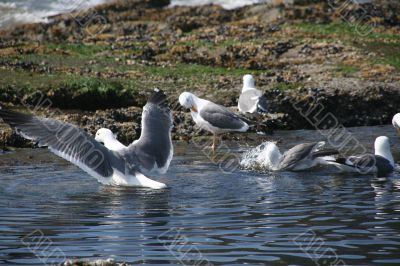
{"points": [[31, 11], [258, 158], [228, 4]]}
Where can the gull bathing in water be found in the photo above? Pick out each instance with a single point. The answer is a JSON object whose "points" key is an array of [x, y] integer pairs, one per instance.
{"points": [[380, 163], [212, 117], [251, 100], [301, 157], [111, 163]]}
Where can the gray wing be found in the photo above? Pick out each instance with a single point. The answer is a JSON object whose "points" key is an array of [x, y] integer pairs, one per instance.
{"points": [[220, 117], [383, 165], [65, 140], [263, 104], [154, 150], [296, 154], [369, 161], [249, 100]]}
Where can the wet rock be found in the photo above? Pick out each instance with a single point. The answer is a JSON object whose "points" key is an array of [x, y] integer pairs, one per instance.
{"points": [[9, 138], [140, 37]]}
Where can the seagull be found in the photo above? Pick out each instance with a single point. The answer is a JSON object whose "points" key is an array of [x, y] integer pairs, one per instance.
{"points": [[111, 163], [380, 163], [299, 158], [396, 122], [251, 100], [212, 117]]}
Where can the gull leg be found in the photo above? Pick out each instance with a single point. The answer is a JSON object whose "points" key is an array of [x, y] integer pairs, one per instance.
{"points": [[217, 140], [214, 142]]}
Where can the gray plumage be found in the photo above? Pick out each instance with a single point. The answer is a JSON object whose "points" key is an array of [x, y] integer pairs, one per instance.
{"points": [[153, 150], [222, 118], [263, 104], [64, 139], [303, 152], [251, 101], [368, 163]]}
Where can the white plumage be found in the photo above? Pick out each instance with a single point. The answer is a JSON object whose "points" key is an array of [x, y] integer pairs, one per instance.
{"points": [[251, 99], [396, 122]]}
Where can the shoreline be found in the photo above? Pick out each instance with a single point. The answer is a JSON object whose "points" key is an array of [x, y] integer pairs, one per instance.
{"points": [[302, 55]]}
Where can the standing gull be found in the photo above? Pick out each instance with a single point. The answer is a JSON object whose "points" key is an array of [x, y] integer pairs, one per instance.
{"points": [[111, 163], [301, 157], [212, 117], [396, 122], [251, 100], [380, 163]]}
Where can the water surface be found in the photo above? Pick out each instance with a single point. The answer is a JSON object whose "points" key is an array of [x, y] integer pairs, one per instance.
{"points": [[32, 11], [49, 210]]}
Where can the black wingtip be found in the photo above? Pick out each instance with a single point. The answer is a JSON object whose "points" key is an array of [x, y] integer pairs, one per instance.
{"points": [[13, 118], [325, 152], [158, 97]]}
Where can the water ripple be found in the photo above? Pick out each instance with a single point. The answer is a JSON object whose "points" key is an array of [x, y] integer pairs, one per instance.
{"points": [[227, 219]]}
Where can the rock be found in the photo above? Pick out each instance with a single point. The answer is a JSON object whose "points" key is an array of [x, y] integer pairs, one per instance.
{"points": [[140, 44]]}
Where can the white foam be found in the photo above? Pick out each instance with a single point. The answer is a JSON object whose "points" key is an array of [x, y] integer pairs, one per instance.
{"points": [[23, 17], [227, 4], [257, 158], [64, 6], [32, 11], [7, 5], [231, 4]]}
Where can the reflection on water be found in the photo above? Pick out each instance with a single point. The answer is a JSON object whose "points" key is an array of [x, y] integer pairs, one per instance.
{"points": [[242, 217]]}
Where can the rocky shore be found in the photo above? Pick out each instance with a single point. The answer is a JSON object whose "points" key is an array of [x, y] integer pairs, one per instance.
{"points": [[96, 67]]}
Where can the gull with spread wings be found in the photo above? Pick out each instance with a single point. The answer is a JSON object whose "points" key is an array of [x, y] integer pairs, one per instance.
{"points": [[111, 163]]}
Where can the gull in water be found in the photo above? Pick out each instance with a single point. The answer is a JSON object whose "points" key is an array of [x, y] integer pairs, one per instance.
{"points": [[396, 122], [111, 163], [299, 158], [212, 117], [251, 100], [380, 163]]}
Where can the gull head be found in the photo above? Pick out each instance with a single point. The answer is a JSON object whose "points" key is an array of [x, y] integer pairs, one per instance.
{"points": [[382, 148], [188, 100], [248, 82], [103, 135], [396, 122]]}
